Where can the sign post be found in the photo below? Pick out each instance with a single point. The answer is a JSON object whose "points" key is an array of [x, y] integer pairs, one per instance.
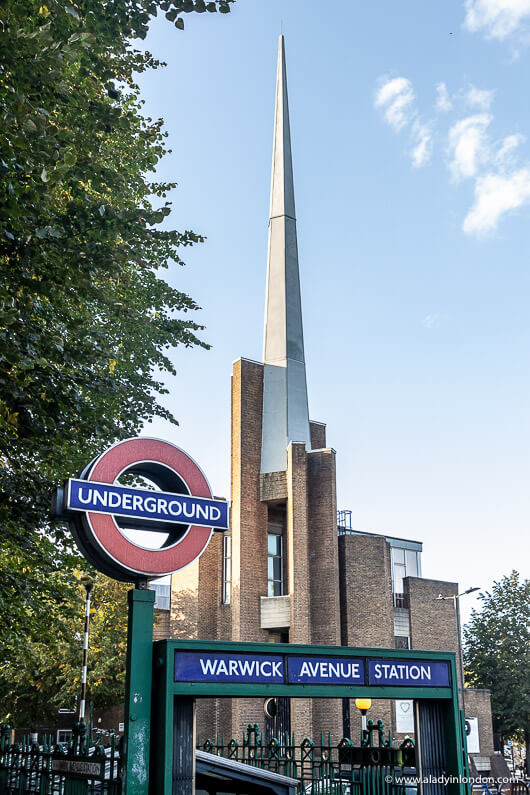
{"points": [[138, 682], [101, 512]]}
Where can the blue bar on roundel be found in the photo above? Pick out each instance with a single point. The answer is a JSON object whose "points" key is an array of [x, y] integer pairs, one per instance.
{"points": [[133, 503], [419, 673], [325, 671], [244, 669]]}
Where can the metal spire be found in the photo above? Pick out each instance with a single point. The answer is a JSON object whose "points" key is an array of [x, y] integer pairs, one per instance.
{"points": [[285, 411]]}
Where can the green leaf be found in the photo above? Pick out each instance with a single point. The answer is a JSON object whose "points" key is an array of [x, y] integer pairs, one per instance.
{"points": [[29, 125]]}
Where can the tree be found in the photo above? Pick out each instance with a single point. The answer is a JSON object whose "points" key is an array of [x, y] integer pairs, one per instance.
{"points": [[497, 654], [85, 321], [41, 676]]}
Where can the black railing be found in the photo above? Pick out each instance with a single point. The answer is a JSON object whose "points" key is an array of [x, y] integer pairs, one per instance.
{"points": [[80, 767], [324, 768]]}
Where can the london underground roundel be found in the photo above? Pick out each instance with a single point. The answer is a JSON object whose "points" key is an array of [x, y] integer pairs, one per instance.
{"points": [[103, 512]]}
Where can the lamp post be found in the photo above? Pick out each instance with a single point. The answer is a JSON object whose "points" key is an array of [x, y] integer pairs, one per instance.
{"points": [[363, 705], [88, 582], [454, 598]]}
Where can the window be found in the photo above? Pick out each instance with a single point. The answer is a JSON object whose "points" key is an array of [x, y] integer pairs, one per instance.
{"points": [[401, 642], [411, 562], [405, 563], [162, 595], [274, 565], [227, 568]]}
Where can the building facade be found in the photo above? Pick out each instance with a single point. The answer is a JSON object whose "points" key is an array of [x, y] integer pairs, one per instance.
{"points": [[288, 570]]}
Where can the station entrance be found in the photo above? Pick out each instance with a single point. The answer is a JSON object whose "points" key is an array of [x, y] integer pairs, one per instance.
{"points": [[185, 671]]}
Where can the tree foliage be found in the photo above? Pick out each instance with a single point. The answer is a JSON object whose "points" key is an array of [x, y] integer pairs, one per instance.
{"points": [[39, 677], [85, 320], [497, 653]]}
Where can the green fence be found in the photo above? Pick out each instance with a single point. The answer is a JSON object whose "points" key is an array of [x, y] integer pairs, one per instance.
{"points": [[373, 768], [80, 767]]}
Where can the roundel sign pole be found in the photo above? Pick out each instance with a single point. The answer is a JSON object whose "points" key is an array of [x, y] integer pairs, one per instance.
{"points": [[106, 515]]}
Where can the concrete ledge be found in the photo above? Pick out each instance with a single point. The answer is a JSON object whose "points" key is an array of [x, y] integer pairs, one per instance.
{"points": [[275, 612], [273, 486]]}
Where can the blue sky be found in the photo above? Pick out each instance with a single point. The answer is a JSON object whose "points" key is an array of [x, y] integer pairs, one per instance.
{"points": [[410, 127]]}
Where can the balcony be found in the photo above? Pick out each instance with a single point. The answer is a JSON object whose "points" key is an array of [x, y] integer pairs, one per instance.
{"points": [[275, 612], [401, 600]]}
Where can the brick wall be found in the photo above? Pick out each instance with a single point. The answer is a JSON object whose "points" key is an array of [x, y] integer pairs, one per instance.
{"points": [[366, 592], [184, 613], [317, 434], [161, 627], [367, 618], [432, 620], [324, 573], [478, 705]]}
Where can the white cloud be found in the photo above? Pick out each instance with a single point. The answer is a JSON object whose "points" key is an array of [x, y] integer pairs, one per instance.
{"points": [[395, 98], [501, 178], [468, 146], [479, 98], [422, 148], [497, 18], [443, 103], [495, 195], [508, 146], [429, 320]]}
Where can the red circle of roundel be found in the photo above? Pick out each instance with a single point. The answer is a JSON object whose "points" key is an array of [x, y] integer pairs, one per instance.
{"points": [[137, 560]]}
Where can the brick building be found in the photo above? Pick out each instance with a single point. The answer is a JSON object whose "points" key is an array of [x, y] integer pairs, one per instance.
{"points": [[287, 570]]}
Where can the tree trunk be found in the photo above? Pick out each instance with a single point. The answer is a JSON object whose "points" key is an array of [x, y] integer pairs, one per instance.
{"points": [[527, 744]]}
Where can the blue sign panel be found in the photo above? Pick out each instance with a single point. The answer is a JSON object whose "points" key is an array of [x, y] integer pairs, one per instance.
{"points": [[421, 673], [325, 671], [140, 504], [196, 666]]}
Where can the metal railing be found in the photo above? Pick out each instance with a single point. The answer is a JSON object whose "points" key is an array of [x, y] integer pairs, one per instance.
{"points": [[401, 600], [80, 767], [344, 522], [324, 768]]}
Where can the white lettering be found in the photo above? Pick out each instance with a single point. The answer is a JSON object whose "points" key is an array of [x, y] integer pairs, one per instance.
{"points": [[304, 670], [355, 673], [414, 672], [162, 505], [277, 668], [201, 512], [215, 513], [221, 668], [102, 498], [175, 508], [114, 500], [426, 672], [137, 502], [377, 670], [208, 666], [232, 667], [247, 667], [191, 513], [126, 502], [80, 495], [150, 505]]}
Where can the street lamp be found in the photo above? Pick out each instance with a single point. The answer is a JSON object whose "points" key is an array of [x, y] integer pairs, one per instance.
{"points": [[363, 705], [454, 597], [88, 582]]}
